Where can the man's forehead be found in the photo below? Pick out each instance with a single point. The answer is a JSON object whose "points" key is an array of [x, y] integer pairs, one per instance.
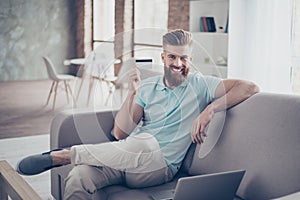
{"points": [[178, 50]]}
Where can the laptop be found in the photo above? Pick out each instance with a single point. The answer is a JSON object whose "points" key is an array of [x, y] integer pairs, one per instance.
{"points": [[207, 187]]}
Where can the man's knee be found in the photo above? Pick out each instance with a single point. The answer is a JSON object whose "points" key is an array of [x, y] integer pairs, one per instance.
{"points": [[144, 142], [80, 179], [84, 181]]}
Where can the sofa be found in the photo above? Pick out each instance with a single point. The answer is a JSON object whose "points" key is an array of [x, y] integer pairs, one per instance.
{"points": [[260, 135]]}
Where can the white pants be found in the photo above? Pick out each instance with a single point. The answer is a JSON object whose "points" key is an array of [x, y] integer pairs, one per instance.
{"points": [[136, 161]]}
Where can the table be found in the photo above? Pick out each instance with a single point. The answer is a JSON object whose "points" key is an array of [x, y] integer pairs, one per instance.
{"points": [[98, 69], [81, 61]]}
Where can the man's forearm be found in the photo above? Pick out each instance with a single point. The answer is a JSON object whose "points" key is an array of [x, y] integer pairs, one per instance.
{"points": [[231, 94], [126, 119], [238, 93]]}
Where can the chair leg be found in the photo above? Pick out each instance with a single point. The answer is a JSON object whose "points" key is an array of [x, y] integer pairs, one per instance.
{"points": [[121, 92], [55, 93], [110, 91], [66, 89], [50, 92], [90, 90], [81, 83], [101, 87], [71, 93], [108, 97]]}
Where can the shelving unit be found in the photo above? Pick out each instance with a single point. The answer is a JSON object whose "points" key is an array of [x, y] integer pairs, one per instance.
{"points": [[210, 52], [218, 9]]}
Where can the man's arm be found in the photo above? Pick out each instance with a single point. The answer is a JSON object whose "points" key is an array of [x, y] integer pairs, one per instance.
{"points": [[130, 114], [232, 92], [228, 93]]}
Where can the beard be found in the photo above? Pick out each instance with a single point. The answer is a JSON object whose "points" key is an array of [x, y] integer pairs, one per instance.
{"points": [[175, 79]]}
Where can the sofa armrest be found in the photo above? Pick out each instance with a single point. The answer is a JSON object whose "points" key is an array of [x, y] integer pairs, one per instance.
{"points": [[292, 196], [74, 127], [13, 185]]}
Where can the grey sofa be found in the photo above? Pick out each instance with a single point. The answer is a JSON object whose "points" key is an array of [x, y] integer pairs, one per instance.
{"points": [[260, 135]]}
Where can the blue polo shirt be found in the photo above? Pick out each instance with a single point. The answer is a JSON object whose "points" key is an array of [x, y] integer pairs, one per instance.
{"points": [[168, 114]]}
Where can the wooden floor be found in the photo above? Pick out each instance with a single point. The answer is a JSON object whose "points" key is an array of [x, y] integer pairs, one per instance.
{"points": [[25, 120], [23, 109]]}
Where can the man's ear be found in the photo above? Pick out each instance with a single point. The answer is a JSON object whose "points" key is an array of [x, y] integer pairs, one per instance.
{"points": [[162, 55]]}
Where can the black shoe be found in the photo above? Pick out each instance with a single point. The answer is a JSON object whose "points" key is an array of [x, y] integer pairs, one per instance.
{"points": [[36, 164]]}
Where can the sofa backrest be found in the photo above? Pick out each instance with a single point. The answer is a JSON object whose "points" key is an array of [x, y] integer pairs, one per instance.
{"points": [[260, 135]]}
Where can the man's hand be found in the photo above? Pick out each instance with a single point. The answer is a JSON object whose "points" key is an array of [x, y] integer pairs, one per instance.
{"points": [[200, 123], [229, 93], [134, 79]]}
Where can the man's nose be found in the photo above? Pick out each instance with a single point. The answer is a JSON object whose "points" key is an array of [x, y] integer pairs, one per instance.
{"points": [[177, 62]]}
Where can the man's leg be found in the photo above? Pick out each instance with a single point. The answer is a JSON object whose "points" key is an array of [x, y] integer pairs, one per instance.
{"points": [[137, 159], [83, 181], [139, 153], [121, 155], [148, 178]]}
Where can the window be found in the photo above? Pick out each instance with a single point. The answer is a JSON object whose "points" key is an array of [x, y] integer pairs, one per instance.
{"points": [[150, 24], [103, 22], [295, 75], [103, 33]]}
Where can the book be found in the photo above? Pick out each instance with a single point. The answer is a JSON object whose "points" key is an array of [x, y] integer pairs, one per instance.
{"points": [[204, 24], [207, 24], [201, 25], [226, 27], [211, 24]]}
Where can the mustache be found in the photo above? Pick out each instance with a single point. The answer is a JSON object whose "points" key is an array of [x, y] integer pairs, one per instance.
{"points": [[185, 70]]}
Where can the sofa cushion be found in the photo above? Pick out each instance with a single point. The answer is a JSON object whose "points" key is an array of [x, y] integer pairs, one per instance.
{"points": [[262, 136], [187, 161], [116, 192]]}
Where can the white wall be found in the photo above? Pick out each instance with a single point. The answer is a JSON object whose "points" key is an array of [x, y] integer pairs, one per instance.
{"points": [[259, 43], [296, 48]]}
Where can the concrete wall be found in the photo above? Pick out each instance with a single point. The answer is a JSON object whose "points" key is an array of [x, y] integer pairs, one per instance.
{"points": [[30, 29]]}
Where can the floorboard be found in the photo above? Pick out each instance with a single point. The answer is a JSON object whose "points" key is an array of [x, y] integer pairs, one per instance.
{"points": [[23, 109]]}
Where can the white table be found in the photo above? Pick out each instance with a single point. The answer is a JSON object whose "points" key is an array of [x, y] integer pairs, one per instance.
{"points": [[82, 61], [96, 69]]}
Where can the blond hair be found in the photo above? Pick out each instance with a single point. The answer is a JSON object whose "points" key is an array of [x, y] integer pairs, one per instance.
{"points": [[177, 37]]}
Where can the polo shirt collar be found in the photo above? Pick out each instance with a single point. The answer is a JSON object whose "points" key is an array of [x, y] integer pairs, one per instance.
{"points": [[161, 86]]}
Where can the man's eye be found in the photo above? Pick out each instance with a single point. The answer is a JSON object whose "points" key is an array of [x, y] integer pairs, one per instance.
{"points": [[184, 58], [172, 57]]}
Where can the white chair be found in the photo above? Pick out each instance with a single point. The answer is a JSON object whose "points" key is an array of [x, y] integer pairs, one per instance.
{"points": [[56, 78]]}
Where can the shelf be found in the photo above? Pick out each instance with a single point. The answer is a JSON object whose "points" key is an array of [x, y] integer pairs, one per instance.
{"points": [[210, 33], [210, 47], [210, 0], [209, 8], [210, 66], [212, 70]]}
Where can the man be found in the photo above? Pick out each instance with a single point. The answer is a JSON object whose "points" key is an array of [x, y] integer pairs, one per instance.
{"points": [[174, 109]]}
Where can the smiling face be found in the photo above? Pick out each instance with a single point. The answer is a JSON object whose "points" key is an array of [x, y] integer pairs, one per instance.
{"points": [[176, 61]]}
